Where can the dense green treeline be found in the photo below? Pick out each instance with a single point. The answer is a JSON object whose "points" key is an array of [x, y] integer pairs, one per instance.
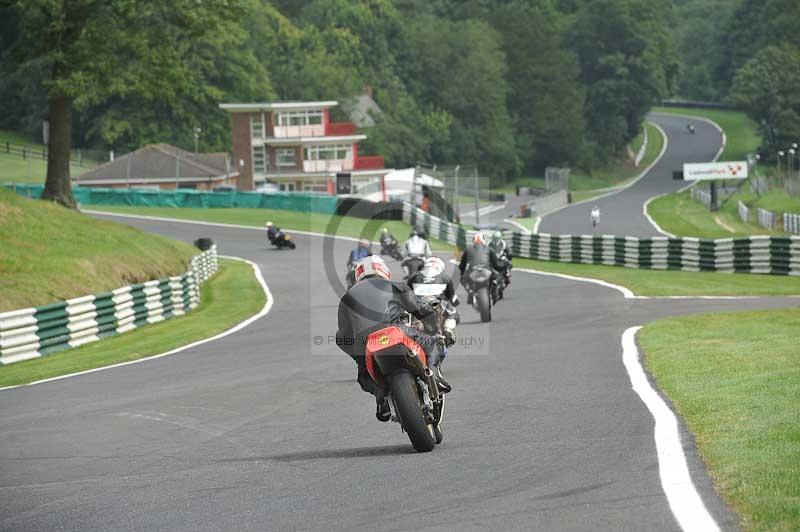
{"points": [[510, 85], [747, 53]]}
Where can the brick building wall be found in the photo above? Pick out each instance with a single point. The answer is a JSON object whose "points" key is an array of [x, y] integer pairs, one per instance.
{"points": [[242, 152]]}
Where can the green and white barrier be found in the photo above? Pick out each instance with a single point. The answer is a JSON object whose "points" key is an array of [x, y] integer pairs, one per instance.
{"points": [[40, 331], [758, 254]]}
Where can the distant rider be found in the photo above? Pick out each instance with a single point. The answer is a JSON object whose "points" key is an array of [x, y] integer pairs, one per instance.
{"points": [[363, 249], [503, 252], [272, 231], [595, 216], [479, 254], [417, 246], [388, 242], [372, 303], [433, 272]]}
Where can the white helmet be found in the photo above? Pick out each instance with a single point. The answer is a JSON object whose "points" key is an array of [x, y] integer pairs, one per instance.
{"points": [[372, 265], [268, 224], [433, 266]]}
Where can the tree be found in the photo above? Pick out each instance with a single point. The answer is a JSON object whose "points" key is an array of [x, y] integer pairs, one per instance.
{"points": [[98, 49], [766, 88], [545, 97], [459, 67], [627, 62]]}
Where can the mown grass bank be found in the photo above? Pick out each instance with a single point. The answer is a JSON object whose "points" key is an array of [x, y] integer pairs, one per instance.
{"points": [[49, 253], [735, 380], [680, 215], [231, 296]]}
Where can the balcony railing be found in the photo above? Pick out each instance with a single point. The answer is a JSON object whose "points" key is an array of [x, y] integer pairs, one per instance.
{"points": [[335, 129], [328, 165], [317, 130], [369, 162]]}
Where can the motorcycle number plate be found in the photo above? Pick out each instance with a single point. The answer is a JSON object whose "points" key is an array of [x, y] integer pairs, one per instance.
{"points": [[426, 290]]}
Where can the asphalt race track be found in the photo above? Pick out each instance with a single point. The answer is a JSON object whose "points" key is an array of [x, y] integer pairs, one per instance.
{"points": [[621, 213], [267, 430]]}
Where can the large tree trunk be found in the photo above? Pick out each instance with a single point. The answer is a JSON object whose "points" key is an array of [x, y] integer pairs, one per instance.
{"points": [[58, 186]]}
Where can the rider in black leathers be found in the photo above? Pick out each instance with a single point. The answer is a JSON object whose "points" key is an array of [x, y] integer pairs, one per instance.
{"points": [[370, 305], [272, 231], [479, 254]]}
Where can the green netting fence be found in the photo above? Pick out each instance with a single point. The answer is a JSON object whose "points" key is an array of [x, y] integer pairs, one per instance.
{"points": [[191, 198]]}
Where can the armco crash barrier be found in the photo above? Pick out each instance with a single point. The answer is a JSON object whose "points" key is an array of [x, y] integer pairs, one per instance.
{"points": [[758, 254], [290, 201], [35, 332]]}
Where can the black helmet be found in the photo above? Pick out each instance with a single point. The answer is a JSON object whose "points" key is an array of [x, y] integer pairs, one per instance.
{"points": [[413, 233]]}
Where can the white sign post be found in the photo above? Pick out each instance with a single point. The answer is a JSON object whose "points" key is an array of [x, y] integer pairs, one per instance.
{"points": [[712, 171]]}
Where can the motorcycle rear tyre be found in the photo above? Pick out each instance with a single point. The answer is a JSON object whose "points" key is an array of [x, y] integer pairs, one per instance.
{"points": [[405, 393], [484, 305], [291, 244]]}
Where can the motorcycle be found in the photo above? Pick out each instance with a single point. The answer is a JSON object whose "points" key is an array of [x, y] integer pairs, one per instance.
{"points": [[690, 128], [482, 290], [398, 364], [282, 240], [412, 265], [389, 247]]}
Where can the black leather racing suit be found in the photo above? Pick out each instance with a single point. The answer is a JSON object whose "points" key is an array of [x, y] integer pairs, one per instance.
{"points": [[370, 305], [479, 254]]}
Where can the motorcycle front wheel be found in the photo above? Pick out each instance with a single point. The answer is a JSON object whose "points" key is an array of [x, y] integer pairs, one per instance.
{"points": [[484, 304], [405, 393]]}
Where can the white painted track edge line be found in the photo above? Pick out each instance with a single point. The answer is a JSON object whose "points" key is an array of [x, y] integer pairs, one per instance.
{"points": [[236, 328], [618, 189], [676, 481], [517, 224], [626, 292]]}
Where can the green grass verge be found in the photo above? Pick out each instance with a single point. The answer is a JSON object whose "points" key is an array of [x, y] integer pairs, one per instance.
{"points": [[290, 220], [674, 283], [741, 132], [33, 169], [49, 253], [679, 214], [230, 297], [735, 379]]}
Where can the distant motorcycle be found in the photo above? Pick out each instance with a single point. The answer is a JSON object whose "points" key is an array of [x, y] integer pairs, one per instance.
{"points": [[690, 128], [282, 240], [481, 290], [389, 246]]}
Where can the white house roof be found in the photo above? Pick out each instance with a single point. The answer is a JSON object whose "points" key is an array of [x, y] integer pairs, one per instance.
{"points": [[277, 106]]}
